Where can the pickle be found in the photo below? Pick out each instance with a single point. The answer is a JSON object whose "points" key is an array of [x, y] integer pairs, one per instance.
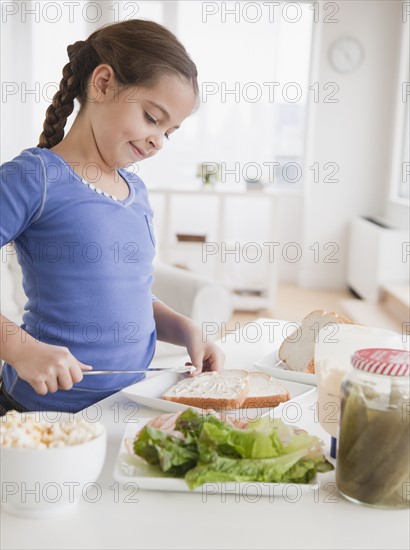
{"points": [[391, 474], [396, 395], [354, 420], [375, 467], [381, 435], [373, 460]]}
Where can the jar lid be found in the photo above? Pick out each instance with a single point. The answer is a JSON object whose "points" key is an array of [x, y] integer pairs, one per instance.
{"points": [[390, 362]]}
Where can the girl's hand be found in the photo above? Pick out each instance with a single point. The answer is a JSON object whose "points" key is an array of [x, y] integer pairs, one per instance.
{"points": [[204, 355], [49, 368], [178, 329]]}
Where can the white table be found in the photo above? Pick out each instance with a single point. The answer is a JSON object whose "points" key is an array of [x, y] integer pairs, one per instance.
{"points": [[121, 519]]}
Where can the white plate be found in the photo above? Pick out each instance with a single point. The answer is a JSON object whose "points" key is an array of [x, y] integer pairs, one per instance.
{"points": [[149, 393], [271, 364], [132, 469]]}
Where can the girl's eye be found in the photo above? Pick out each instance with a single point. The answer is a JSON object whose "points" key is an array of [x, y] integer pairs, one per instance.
{"points": [[149, 117], [153, 121]]}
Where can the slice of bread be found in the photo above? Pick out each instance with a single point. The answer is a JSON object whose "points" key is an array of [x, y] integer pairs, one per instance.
{"points": [[264, 391], [297, 350], [211, 390]]}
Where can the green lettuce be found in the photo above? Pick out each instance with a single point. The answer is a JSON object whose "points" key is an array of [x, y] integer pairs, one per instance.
{"points": [[213, 451], [170, 453], [280, 469]]}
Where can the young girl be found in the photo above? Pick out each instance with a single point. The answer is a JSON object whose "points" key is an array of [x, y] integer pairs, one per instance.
{"points": [[82, 224]]}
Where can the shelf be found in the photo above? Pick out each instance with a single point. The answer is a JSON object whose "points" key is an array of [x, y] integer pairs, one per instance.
{"points": [[250, 303], [225, 260], [226, 190]]}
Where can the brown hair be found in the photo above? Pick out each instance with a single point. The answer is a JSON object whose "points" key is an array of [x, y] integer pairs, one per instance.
{"points": [[138, 51]]}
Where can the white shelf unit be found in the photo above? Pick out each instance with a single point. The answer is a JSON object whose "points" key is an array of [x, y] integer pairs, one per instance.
{"points": [[213, 258], [378, 255]]}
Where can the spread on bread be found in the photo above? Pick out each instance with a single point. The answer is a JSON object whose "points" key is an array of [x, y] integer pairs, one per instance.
{"points": [[228, 389]]}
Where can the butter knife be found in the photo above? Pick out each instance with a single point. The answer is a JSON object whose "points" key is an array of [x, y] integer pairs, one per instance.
{"points": [[186, 368]]}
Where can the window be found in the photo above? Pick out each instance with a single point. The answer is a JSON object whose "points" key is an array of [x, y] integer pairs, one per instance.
{"points": [[404, 179], [253, 60], [253, 69], [400, 172], [49, 23]]}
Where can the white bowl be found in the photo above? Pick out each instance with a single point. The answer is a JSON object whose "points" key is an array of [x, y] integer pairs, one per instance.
{"points": [[48, 482]]}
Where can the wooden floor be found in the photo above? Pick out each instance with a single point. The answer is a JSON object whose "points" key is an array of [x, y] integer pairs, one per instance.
{"points": [[293, 303]]}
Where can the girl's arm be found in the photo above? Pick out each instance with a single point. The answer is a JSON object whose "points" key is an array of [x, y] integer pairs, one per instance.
{"points": [[46, 367], [174, 328]]}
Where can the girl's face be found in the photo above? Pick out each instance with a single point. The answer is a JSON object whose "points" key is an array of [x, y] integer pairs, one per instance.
{"points": [[131, 125]]}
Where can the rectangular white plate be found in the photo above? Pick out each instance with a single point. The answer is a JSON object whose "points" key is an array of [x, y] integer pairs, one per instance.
{"points": [[132, 469], [271, 364], [149, 393]]}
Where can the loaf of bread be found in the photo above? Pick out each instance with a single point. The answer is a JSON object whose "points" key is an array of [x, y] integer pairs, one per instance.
{"points": [[297, 350], [228, 389]]}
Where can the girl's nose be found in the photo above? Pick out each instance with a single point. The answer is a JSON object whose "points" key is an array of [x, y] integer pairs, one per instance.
{"points": [[156, 141]]}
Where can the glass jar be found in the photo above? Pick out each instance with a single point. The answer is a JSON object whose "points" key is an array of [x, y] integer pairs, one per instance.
{"points": [[373, 459]]}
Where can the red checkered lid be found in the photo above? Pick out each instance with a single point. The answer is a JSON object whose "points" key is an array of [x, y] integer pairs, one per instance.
{"points": [[390, 362]]}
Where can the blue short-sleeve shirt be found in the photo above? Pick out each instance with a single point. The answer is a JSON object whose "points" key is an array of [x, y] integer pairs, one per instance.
{"points": [[86, 259]]}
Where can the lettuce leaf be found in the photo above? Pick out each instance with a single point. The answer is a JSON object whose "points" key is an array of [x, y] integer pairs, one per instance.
{"points": [[170, 453], [283, 469], [266, 450], [223, 439]]}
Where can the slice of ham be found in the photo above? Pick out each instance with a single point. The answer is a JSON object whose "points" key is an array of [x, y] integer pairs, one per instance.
{"points": [[166, 422]]}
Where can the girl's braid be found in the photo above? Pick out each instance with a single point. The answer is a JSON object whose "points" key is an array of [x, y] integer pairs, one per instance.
{"points": [[72, 85]]}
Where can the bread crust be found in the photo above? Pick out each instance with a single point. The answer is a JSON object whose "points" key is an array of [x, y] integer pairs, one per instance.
{"points": [[208, 403], [310, 367], [346, 320], [263, 402]]}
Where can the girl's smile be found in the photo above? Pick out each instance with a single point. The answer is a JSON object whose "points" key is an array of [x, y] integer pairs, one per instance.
{"points": [[138, 152]]}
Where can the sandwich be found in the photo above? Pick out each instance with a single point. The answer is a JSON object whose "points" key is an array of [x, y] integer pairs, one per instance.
{"points": [[228, 389]]}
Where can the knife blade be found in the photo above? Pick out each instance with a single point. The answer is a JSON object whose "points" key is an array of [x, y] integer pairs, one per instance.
{"points": [[186, 368]]}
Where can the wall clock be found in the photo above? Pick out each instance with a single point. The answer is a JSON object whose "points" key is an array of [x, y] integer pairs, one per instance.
{"points": [[346, 54]]}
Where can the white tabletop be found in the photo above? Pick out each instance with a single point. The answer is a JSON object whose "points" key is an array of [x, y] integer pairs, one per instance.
{"points": [[123, 517]]}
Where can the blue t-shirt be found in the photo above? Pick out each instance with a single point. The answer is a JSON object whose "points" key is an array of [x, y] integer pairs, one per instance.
{"points": [[86, 259]]}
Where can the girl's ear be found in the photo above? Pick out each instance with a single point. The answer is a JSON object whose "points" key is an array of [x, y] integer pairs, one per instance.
{"points": [[102, 84]]}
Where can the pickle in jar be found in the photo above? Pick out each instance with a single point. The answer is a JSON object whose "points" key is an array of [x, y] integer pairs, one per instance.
{"points": [[373, 461]]}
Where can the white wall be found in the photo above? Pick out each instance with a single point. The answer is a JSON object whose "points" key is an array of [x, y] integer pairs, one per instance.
{"points": [[34, 40], [16, 41], [397, 208], [356, 133]]}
